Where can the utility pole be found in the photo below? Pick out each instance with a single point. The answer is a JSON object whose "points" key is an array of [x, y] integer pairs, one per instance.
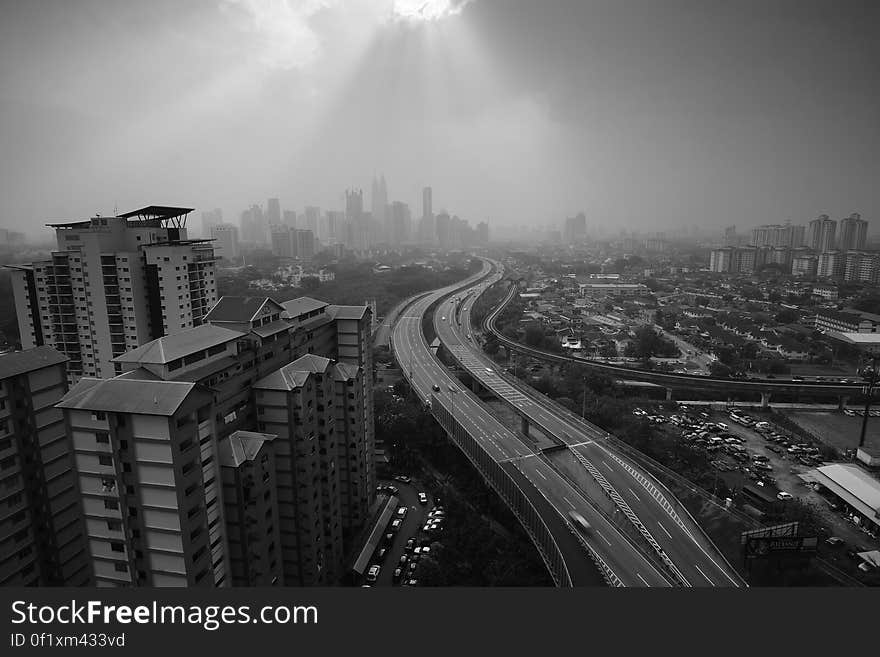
{"points": [[869, 390]]}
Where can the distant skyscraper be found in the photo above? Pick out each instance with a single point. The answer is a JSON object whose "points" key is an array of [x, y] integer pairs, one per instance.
{"points": [[273, 211], [575, 228], [778, 235], [312, 220], [483, 233], [400, 227], [210, 219], [113, 284], [378, 208], [442, 229], [853, 233], [428, 233], [225, 241], [289, 218], [821, 236], [356, 223]]}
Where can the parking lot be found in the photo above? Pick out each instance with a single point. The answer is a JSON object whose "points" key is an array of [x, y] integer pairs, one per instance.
{"points": [[408, 536], [748, 449]]}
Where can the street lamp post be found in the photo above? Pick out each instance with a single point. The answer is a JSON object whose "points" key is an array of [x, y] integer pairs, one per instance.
{"points": [[869, 396]]}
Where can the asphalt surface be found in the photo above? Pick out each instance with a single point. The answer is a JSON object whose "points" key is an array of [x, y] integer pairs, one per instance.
{"points": [[541, 483], [697, 560], [411, 528]]}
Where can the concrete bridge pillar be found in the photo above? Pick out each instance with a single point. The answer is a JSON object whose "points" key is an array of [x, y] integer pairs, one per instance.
{"points": [[668, 394], [842, 402], [475, 386], [765, 399], [524, 425]]}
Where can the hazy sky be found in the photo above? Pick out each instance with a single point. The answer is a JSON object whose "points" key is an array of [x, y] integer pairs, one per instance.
{"points": [[640, 113]]}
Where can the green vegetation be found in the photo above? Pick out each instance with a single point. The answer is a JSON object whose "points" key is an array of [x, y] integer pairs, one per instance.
{"points": [[482, 543], [354, 283]]}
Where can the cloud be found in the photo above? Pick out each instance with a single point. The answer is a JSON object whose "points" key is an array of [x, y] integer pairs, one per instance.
{"points": [[427, 10], [284, 34]]}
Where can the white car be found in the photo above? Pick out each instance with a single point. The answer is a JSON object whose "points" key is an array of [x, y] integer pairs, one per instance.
{"points": [[373, 573], [782, 495]]}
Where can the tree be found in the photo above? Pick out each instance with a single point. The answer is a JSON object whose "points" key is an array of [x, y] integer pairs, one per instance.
{"points": [[719, 370], [534, 336], [787, 316]]}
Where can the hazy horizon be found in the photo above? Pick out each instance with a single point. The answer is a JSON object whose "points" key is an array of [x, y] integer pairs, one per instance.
{"points": [[644, 115]]}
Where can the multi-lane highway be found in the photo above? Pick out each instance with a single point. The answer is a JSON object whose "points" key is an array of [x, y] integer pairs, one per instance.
{"points": [[622, 559], [661, 523]]}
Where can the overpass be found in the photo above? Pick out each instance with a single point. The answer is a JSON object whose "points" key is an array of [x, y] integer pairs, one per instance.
{"points": [[724, 387], [658, 521], [538, 494]]}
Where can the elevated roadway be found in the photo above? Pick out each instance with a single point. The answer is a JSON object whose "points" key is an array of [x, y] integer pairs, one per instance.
{"points": [[538, 494], [661, 522]]}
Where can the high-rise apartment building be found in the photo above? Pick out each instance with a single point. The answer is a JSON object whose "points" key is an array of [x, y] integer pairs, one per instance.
{"points": [[442, 226], [853, 233], [225, 238], [720, 260], [279, 393], [831, 264], [861, 267], [780, 235], [482, 233], [804, 265], [821, 234], [42, 531], [113, 284], [289, 218]]}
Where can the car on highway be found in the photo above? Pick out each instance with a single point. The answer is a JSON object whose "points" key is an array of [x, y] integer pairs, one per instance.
{"points": [[380, 555], [579, 521], [402, 478], [435, 388], [423, 498], [402, 561], [396, 525], [373, 573], [401, 512], [410, 545], [398, 573], [411, 582], [782, 495]]}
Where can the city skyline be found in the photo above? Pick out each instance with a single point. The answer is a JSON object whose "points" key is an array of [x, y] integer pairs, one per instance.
{"points": [[686, 129]]}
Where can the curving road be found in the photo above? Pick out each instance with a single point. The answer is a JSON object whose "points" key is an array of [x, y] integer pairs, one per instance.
{"points": [[660, 519], [549, 492]]}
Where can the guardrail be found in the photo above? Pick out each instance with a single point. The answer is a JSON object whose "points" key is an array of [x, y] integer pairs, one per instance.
{"points": [[507, 489], [630, 514]]}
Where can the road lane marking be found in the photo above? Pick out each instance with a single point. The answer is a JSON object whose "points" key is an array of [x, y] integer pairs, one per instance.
{"points": [[643, 579], [704, 575], [606, 540], [633, 493], [664, 529], [541, 475], [607, 466], [569, 501]]}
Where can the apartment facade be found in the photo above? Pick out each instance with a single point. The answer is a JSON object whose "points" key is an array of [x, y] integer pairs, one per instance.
{"points": [[145, 454], [300, 373], [113, 284], [42, 533]]}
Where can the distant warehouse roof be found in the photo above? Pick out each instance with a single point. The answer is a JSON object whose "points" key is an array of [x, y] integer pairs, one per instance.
{"points": [[854, 486]]}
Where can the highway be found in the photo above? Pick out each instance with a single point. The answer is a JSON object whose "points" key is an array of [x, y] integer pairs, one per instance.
{"points": [[661, 520], [623, 562]]}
